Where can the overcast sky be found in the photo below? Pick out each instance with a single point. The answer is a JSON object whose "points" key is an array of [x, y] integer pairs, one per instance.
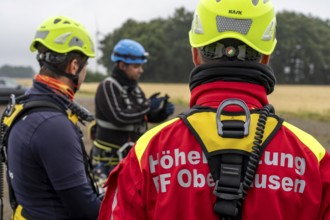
{"points": [[20, 18]]}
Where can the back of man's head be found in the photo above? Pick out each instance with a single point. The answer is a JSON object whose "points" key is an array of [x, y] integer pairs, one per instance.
{"points": [[233, 30]]}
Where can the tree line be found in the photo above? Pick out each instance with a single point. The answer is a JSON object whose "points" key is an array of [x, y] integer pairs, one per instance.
{"points": [[302, 55], [16, 71]]}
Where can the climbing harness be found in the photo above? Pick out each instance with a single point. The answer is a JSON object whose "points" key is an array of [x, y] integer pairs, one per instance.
{"points": [[105, 157], [20, 107], [233, 144]]}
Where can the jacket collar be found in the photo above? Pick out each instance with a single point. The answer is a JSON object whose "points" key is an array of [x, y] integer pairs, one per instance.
{"points": [[233, 71], [213, 93], [212, 83]]}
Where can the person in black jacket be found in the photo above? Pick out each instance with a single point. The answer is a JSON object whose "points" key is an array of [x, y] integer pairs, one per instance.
{"points": [[122, 110]]}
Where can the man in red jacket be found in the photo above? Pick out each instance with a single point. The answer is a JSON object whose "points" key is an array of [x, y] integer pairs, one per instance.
{"points": [[230, 156]]}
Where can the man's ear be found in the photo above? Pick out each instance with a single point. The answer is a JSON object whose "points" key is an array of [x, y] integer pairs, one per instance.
{"points": [[121, 65], [196, 56], [73, 67]]}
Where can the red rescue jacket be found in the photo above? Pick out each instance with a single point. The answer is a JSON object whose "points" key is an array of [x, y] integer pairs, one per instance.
{"points": [[166, 175]]}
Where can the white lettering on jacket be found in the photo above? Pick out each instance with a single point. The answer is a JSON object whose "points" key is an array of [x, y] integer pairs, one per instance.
{"points": [[161, 165]]}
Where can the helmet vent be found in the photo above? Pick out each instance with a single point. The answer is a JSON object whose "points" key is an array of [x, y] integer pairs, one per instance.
{"points": [[218, 0], [57, 20], [229, 24], [255, 2], [266, 1]]}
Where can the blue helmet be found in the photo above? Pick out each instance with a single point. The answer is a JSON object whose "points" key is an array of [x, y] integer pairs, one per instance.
{"points": [[130, 52]]}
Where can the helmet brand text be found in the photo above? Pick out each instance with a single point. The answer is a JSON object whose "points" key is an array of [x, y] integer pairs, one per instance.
{"points": [[236, 12]]}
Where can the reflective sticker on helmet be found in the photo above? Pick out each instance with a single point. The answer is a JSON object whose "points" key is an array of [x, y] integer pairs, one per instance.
{"points": [[230, 24], [270, 31], [196, 26], [75, 41], [41, 34], [62, 38]]}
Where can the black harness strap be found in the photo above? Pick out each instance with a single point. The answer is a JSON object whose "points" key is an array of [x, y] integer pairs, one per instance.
{"points": [[228, 187]]}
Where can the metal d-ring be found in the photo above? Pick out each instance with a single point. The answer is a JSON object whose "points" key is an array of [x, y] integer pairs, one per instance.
{"points": [[239, 103]]}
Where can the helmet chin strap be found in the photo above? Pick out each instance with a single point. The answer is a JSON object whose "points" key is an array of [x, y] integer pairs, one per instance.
{"points": [[73, 78]]}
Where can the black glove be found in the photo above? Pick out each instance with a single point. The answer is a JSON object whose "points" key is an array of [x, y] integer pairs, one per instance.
{"points": [[155, 102], [165, 109], [169, 108]]}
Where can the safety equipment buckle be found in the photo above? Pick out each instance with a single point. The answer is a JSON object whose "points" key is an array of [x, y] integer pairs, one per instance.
{"points": [[228, 188], [11, 105], [233, 128], [227, 193]]}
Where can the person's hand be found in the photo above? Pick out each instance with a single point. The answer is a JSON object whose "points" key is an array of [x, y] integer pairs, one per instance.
{"points": [[164, 108], [169, 108], [155, 102]]}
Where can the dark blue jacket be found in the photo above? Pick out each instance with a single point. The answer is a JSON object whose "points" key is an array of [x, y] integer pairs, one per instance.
{"points": [[46, 165]]}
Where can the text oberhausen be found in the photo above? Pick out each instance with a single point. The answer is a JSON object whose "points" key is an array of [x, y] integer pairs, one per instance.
{"points": [[191, 178]]}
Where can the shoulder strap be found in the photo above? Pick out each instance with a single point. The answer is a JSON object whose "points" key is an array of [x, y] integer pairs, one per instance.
{"points": [[15, 112], [232, 156]]}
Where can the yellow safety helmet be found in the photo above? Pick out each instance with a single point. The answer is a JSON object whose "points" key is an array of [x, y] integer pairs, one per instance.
{"points": [[62, 35], [250, 21]]}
